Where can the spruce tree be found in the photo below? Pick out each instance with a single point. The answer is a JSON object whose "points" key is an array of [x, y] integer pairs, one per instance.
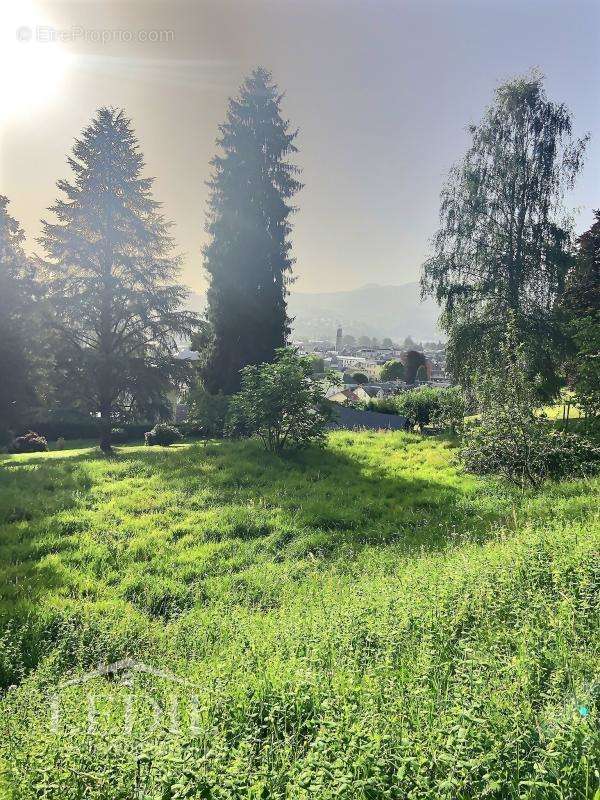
{"points": [[18, 325], [110, 277], [248, 258]]}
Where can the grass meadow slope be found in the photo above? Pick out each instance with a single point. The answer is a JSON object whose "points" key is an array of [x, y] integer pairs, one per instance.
{"points": [[361, 622]]}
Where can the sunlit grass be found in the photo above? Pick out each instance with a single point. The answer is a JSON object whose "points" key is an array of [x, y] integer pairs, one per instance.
{"points": [[364, 621]]}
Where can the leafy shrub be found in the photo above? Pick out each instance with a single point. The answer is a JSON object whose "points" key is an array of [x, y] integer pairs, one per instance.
{"points": [[450, 412], [208, 412], [29, 443], [384, 405], [419, 405], [162, 434], [511, 439], [528, 451], [570, 455], [392, 370], [281, 403]]}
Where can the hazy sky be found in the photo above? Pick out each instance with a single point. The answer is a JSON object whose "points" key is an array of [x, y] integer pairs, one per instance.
{"points": [[382, 93]]}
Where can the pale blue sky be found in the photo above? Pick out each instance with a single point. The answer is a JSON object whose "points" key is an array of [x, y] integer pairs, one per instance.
{"points": [[382, 93]]}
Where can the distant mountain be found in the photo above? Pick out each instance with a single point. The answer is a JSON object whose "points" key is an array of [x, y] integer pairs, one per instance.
{"points": [[372, 310]]}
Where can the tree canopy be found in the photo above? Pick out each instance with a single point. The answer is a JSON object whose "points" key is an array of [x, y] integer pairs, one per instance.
{"points": [[248, 258], [18, 293], [581, 303], [110, 278], [504, 245], [392, 370]]}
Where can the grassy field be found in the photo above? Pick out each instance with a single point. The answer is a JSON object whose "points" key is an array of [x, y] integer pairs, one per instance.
{"points": [[365, 621]]}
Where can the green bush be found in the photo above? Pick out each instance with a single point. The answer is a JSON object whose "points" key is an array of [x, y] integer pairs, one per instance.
{"points": [[419, 405], [281, 403], [162, 434], [384, 405], [513, 440], [528, 451], [29, 443], [451, 409], [207, 412]]}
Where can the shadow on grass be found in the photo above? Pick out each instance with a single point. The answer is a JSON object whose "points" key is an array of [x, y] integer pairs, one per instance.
{"points": [[314, 504], [327, 499]]}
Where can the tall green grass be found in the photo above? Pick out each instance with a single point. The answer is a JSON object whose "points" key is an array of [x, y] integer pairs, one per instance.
{"points": [[365, 621]]}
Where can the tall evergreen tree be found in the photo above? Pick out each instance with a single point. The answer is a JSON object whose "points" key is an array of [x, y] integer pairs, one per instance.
{"points": [[110, 276], [248, 258], [503, 248], [18, 324]]}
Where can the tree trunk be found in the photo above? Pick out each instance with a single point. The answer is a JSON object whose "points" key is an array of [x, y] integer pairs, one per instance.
{"points": [[105, 429]]}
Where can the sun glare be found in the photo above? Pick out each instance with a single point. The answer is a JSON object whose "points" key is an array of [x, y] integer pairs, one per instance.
{"points": [[32, 62]]}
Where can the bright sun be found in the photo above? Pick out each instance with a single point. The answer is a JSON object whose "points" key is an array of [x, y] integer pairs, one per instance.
{"points": [[32, 65]]}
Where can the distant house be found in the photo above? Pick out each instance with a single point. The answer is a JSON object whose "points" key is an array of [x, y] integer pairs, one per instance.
{"points": [[368, 392], [344, 396], [358, 364]]}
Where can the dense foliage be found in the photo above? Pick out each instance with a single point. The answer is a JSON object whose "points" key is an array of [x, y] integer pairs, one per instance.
{"points": [[248, 258], [109, 276], [162, 434], [581, 304], [503, 248], [207, 412], [359, 621], [442, 408], [30, 442], [511, 439], [282, 403], [419, 405], [19, 326], [451, 409], [392, 370]]}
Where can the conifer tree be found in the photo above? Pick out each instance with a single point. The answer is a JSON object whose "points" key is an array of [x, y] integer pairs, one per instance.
{"points": [[18, 325], [110, 276], [248, 258]]}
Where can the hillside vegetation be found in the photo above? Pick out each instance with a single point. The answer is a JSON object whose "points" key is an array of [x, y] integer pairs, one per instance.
{"points": [[365, 621]]}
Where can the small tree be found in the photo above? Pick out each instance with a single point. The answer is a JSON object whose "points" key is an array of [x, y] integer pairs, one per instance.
{"points": [[281, 403], [450, 412], [392, 370], [419, 406], [208, 411], [512, 439], [360, 377]]}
